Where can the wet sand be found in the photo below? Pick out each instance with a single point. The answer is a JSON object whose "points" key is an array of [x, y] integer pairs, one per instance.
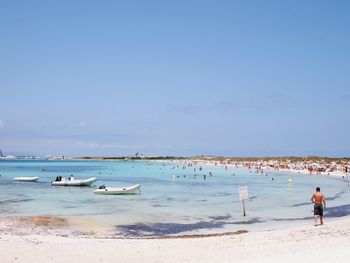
{"points": [[26, 225]]}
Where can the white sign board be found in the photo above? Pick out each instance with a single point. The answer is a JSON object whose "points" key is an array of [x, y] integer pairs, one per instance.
{"points": [[243, 192]]}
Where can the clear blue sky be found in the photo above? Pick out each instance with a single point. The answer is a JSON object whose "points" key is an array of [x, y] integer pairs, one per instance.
{"points": [[233, 78]]}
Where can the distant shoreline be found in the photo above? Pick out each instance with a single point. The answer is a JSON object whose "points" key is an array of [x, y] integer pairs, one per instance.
{"points": [[338, 167], [215, 158], [221, 159]]}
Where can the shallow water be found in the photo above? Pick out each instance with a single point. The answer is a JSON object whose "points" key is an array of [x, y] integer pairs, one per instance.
{"points": [[173, 199]]}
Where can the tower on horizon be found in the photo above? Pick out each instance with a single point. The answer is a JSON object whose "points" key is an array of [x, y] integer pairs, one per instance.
{"points": [[1, 153]]}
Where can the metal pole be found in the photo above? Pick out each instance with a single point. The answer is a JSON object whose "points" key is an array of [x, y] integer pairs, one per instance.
{"points": [[243, 202]]}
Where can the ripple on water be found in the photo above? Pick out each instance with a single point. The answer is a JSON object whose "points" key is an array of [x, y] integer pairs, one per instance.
{"points": [[16, 200]]}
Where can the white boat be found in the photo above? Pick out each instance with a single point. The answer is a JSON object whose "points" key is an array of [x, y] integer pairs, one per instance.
{"points": [[74, 182], [26, 179], [118, 190]]}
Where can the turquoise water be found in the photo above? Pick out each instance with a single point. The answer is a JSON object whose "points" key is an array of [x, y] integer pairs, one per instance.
{"points": [[175, 199]]}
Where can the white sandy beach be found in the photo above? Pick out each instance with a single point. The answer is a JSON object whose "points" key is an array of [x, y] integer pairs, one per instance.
{"points": [[327, 243]]}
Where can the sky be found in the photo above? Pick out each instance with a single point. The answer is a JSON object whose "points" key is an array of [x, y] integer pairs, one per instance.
{"points": [[229, 78]]}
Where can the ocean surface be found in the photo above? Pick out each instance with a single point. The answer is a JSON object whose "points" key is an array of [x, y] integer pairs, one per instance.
{"points": [[175, 198]]}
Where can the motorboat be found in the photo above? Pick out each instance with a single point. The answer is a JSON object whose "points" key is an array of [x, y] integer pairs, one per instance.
{"points": [[74, 182], [26, 179], [118, 190]]}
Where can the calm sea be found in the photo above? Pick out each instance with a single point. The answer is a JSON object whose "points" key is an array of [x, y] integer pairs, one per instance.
{"points": [[175, 198]]}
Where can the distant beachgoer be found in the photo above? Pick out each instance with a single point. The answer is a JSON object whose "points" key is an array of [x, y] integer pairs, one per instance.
{"points": [[205, 177], [319, 203]]}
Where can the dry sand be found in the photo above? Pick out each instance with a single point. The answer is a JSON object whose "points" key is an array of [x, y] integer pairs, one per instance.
{"points": [[327, 243]]}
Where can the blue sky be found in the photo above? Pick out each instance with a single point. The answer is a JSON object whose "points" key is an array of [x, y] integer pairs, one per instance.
{"points": [[233, 78]]}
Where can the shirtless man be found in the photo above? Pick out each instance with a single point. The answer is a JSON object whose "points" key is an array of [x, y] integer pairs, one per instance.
{"points": [[319, 203]]}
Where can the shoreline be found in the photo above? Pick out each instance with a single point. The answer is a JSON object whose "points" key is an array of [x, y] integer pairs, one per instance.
{"points": [[303, 243], [311, 165], [340, 166], [66, 227]]}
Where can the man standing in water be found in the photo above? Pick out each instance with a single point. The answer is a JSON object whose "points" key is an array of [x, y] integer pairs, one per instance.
{"points": [[319, 203]]}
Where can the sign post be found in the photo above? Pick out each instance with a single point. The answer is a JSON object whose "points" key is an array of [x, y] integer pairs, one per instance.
{"points": [[243, 195]]}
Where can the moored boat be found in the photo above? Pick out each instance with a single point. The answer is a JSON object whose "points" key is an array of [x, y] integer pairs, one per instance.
{"points": [[118, 190], [74, 182], [26, 179]]}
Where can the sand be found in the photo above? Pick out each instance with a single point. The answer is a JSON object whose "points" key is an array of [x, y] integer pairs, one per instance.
{"points": [[327, 243]]}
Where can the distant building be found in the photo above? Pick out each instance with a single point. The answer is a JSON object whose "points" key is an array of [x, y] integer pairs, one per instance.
{"points": [[1, 155]]}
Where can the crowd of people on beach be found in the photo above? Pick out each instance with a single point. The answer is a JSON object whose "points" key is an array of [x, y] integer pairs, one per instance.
{"points": [[317, 167]]}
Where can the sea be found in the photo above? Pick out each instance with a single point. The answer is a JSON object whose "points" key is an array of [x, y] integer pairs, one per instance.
{"points": [[176, 198]]}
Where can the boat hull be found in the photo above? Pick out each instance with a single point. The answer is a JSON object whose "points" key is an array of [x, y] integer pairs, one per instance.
{"points": [[119, 191], [66, 182], [26, 179]]}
